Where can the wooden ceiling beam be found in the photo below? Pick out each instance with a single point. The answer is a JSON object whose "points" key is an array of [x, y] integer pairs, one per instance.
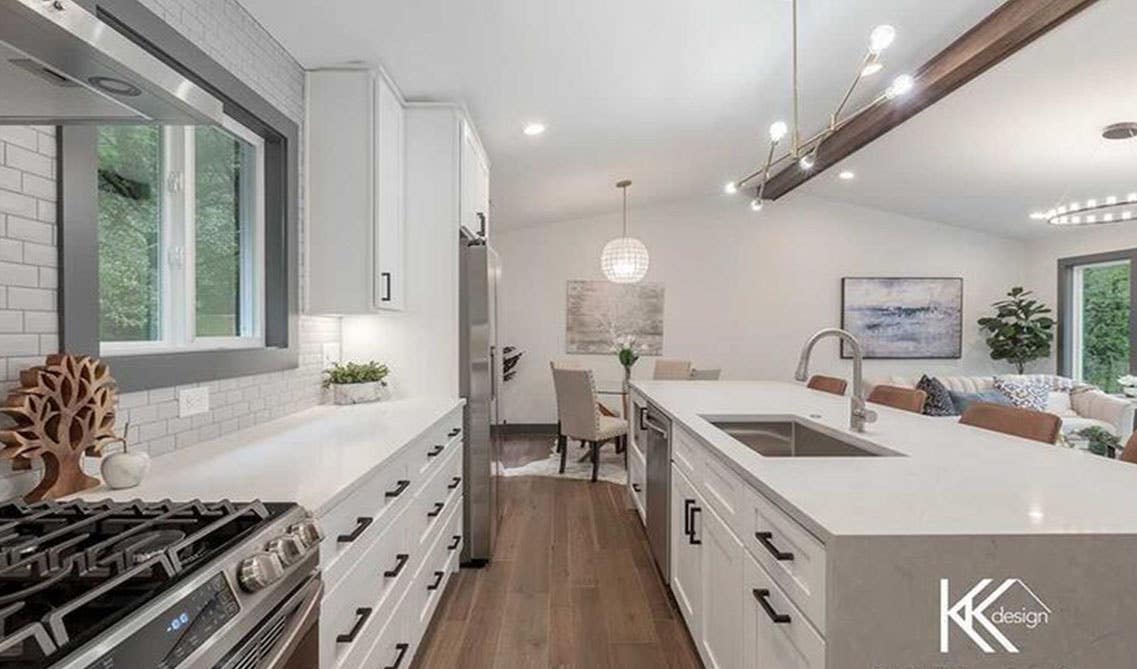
{"points": [[1009, 28]]}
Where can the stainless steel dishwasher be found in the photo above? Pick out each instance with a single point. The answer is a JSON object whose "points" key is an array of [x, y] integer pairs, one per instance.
{"points": [[658, 455]]}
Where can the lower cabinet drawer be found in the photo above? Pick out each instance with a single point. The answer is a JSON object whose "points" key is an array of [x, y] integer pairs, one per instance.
{"points": [[432, 577], [776, 633], [355, 609], [434, 502], [394, 649], [357, 520], [792, 556], [687, 454]]}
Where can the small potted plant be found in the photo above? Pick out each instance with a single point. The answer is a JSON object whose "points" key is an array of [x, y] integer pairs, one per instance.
{"points": [[355, 382]]}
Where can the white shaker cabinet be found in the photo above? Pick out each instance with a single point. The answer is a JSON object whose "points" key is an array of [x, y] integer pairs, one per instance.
{"points": [[723, 567], [475, 185], [686, 553], [355, 153]]}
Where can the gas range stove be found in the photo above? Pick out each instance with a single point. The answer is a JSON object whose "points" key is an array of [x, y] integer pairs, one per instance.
{"points": [[117, 585]]}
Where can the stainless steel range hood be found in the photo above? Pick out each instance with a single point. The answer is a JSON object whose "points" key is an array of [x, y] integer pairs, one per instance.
{"points": [[60, 65]]}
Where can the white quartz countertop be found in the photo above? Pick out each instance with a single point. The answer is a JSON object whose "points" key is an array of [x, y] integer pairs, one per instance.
{"points": [[954, 479], [315, 457]]}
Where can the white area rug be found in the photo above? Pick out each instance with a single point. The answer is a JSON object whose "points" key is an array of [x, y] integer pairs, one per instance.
{"points": [[611, 465]]}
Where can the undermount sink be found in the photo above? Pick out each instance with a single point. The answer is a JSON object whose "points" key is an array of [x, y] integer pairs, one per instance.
{"points": [[787, 439]]}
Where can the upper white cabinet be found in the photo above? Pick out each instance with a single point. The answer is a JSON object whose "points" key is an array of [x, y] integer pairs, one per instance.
{"points": [[355, 153], [475, 184]]}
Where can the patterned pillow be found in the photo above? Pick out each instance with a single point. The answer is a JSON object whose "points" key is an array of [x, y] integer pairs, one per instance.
{"points": [[939, 400], [1024, 394]]}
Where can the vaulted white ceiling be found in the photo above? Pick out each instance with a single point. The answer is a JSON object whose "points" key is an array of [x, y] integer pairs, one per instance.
{"points": [[1023, 137], [673, 94]]}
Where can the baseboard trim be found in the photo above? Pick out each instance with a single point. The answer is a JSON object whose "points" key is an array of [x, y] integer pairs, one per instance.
{"points": [[525, 428]]}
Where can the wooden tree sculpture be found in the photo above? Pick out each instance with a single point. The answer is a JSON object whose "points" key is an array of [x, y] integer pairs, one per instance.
{"points": [[61, 410]]}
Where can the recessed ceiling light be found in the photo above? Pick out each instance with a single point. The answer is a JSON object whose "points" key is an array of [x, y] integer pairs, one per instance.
{"points": [[846, 175], [534, 129]]}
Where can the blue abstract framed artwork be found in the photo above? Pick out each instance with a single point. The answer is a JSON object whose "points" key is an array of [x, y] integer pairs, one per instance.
{"points": [[904, 318]]}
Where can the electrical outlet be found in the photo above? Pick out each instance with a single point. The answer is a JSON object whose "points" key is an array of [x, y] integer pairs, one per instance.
{"points": [[331, 353], [193, 401]]}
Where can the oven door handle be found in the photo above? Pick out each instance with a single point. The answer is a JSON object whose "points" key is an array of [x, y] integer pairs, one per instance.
{"points": [[307, 614]]}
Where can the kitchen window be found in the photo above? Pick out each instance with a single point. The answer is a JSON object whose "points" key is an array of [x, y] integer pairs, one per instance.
{"points": [[1096, 314], [179, 246], [180, 238]]}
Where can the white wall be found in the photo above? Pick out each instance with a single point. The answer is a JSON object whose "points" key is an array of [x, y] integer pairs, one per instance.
{"points": [[1043, 254], [742, 291]]}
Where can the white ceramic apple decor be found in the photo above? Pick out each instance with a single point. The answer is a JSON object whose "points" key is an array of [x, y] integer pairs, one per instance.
{"points": [[124, 470]]}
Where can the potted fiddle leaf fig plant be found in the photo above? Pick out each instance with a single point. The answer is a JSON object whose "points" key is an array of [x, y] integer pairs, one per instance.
{"points": [[1020, 331], [356, 383]]}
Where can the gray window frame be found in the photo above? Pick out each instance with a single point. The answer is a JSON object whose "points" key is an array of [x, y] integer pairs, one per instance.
{"points": [[1066, 268], [78, 230]]}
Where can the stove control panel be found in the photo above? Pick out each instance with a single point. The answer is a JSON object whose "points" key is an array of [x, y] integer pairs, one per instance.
{"points": [[178, 631]]}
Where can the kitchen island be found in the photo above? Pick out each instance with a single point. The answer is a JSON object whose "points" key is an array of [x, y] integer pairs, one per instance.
{"points": [[936, 544]]}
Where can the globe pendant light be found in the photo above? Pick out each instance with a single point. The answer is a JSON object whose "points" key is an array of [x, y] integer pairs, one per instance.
{"points": [[624, 259]]}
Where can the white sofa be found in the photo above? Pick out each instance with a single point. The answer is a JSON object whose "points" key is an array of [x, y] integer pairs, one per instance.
{"points": [[1082, 407]]}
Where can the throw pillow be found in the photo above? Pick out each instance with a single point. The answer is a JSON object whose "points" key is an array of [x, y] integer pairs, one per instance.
{"points": [[939, 399], [964, 400], [1024, 394]]}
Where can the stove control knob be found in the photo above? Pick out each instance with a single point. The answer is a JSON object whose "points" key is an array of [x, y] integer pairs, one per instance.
{"points": [[259, 571], [289, 548], [308, 530]]}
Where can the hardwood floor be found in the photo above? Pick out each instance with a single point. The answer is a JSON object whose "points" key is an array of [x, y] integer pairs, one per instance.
{"points": [[572, 585]]}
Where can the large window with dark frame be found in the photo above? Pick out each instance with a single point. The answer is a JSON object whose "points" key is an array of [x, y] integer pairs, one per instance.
{"points": [[1096, 315], [181, 235]]}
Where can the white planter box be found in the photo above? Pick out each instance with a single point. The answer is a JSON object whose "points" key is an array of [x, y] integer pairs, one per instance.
{"points": [[359, 393]]}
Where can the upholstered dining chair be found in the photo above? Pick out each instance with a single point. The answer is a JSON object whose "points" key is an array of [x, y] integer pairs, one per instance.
{"points": [[1129, 453], [827, 384], [906, 399], [579, 416], [671, 370], [1025, 423], [705, 374]]}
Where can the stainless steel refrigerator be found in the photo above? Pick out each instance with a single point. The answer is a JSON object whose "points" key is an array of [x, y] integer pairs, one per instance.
{"points": [[479, 377]]}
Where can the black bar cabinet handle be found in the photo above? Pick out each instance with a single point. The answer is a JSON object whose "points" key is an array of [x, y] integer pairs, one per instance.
{"points": [[687, 504], [764, 538], [482, 223], [455, 432], [398, 489], [361, 524], [643, 416], [400, 562], [434, 451], [457, 540], [437, 580], [691, 537], [437, 510], [362, 615], [455, 482], [387, 286], [402, 649], [763, 597]]}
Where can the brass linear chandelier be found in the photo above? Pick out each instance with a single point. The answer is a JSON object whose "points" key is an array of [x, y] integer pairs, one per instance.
{"points": [[804, 151]]}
